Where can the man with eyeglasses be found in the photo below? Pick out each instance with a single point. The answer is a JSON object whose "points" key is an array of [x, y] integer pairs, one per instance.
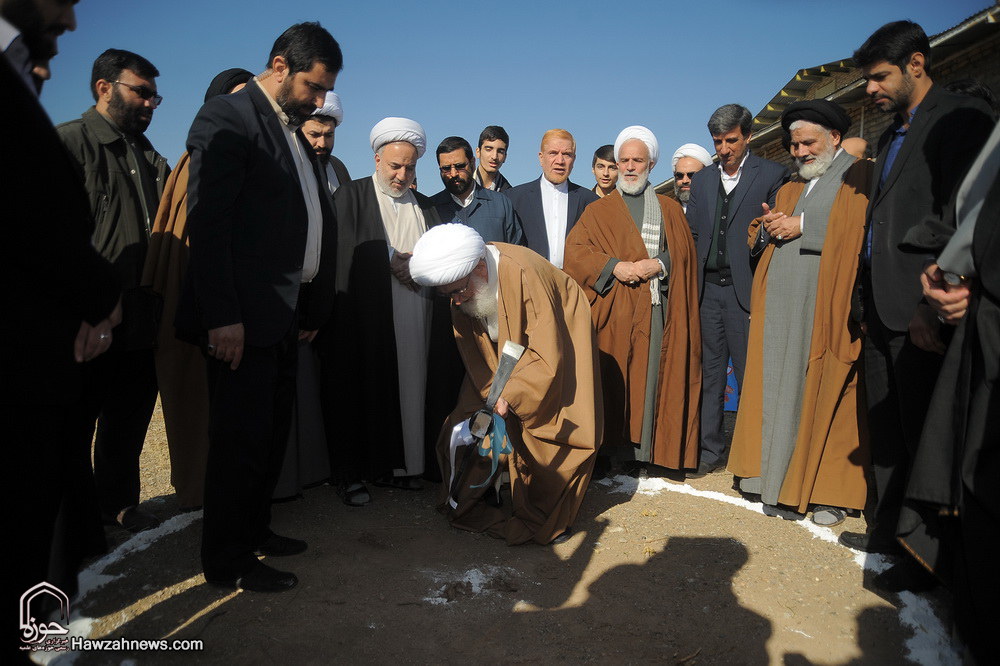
{"points": [[465, 201], [688, 160], [550, 410], [124, 177]]}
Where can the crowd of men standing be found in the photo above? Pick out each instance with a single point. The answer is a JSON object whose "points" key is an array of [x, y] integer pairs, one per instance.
{"points": [[302, 326]]}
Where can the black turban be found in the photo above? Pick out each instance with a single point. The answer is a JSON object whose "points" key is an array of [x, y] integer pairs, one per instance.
{"points": [[226, 81], [820, 111]]}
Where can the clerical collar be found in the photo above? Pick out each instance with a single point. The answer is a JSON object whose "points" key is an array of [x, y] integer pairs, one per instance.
{"points": [[282, 116], [464, 203], [561, 187]]}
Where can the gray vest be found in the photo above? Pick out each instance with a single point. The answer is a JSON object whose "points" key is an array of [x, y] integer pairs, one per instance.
{"points": [[819, 202]]}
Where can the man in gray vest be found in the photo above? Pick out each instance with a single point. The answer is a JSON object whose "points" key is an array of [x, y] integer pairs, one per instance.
{"points": [[723, 202], [797, 440]]}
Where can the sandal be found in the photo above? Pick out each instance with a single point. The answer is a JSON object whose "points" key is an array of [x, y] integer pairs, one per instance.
{"points": [[355, 494], [828, 516]]}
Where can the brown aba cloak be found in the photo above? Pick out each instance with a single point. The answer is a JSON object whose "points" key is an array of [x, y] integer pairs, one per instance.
{"points": [[180, 366], [831, 449], [621, 317], [556, 416]]}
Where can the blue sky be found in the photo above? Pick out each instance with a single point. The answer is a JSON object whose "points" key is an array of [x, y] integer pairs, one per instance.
{"points": [[589, 67]]}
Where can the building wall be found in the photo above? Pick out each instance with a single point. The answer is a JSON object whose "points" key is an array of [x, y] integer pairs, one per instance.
{"points": [[980, 61]]}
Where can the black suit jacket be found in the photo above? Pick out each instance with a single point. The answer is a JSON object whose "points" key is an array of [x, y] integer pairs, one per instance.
{"points": [[53, 278], [527, 201], [759, 183], [339, 168], [248, 224], [947, 133]]}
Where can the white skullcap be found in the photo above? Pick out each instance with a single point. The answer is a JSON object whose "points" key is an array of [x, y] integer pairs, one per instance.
{"points": [[390, 130], [445, 254], [692, 150], [331, 108], [644, 135]]}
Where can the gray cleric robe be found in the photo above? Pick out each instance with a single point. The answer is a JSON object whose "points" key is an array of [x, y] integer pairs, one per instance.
{"points": [[788, 321]]}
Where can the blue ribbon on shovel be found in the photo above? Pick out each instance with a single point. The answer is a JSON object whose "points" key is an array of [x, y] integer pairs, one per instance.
{"points": [[494, 445]]}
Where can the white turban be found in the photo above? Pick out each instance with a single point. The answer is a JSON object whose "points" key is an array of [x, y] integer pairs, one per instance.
{"points": [[445, 254], [644, 135], [390, 130], [331, 108], [691, 150]]}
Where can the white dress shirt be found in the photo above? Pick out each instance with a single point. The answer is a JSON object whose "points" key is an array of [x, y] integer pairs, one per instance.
{"points": [[555, 206], [729, 183], [464, 203], [310, 192]]}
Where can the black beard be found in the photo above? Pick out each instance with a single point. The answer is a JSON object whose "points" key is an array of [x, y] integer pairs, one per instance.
{"points": [[323, 156], [455, 187], [128, 119], [296, 116], [25, 17]]}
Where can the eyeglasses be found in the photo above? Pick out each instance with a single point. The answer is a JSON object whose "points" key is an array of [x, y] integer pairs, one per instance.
{"points": [[143, 92], [461, 291], [448, 168], [680, 174]]}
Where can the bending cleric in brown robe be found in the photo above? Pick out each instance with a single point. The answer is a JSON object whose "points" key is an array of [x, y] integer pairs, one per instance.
{"points": [[180, 366], [622, 316], [827, 465], [556, 416]]}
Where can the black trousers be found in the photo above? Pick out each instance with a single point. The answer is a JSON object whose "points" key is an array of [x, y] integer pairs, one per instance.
{"points": [[54, 496], [899, 381], [120, 395], [250, 414], [725, 329]]}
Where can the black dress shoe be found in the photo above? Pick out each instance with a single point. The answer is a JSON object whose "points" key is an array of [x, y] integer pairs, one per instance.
{"points": [[135, 520], [866, 544], [260, 578], [563, 537], [704, 469], [907, 576], [281, 546]]}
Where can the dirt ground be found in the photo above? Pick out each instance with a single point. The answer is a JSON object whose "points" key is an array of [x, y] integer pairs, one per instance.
{"points": [[656, 571]]}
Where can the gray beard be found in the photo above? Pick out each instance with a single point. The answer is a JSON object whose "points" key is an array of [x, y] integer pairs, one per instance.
{"points": [[682, 195], [817, 167], [637, 187], [386, 187]]}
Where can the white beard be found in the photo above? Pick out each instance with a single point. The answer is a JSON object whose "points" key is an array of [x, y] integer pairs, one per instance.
{"points": [[818, 166], [629, 187], [481, 305]]}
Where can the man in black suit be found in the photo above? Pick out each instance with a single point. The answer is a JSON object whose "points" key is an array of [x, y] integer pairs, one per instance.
{"points": [[260, 278], [922, 156], [549, 206], [60, 303], [724, 200]]}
